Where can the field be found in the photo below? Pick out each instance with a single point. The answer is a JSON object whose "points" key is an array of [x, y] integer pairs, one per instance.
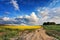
{"points": [[10, 31], [20, 27], [53, 30]]}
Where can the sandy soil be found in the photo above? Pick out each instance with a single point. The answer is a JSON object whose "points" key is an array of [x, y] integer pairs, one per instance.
{"points": [[39, 34]]}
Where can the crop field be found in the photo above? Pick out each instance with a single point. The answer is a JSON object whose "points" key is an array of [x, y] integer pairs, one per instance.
{"points": [[20, 27], [53, 30], [10, 31]]}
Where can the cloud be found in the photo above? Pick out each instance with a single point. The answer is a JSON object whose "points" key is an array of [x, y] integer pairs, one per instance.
{"points": [[46, 14], [15, 4], [54, 3], [49, 14], [22, 24], [56, 19], [31, 19], [57, 10], [6, 18]]}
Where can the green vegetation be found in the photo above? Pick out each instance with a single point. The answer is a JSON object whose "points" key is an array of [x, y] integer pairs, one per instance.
{"points": [[49, 23], [53, 30], [6, 34], [11, 31]]}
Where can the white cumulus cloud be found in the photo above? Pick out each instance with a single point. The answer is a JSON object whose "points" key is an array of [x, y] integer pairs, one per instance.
{"points": [[31, 19], [6, 18]]}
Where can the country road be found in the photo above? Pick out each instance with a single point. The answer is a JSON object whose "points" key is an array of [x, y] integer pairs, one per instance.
{"points": [[39, 34]]}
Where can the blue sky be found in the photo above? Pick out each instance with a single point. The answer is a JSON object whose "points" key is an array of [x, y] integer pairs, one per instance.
{"points": [[22, 6], [39, 10]]}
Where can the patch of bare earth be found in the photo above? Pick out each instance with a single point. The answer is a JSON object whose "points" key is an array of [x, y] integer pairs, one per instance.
{"points": [[2, 33], [39, 34]]}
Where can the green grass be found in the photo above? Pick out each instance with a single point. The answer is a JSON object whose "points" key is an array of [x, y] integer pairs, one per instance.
{"points": [[52, 27], [8, 33], [53, 30], [11, 31]]}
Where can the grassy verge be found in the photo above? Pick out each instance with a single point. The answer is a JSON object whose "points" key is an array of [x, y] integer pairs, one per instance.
{"points": [[6, 34], [53, 30]]}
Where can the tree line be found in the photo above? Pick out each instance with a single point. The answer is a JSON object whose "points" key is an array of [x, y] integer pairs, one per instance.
{"points": [[49, 23]]}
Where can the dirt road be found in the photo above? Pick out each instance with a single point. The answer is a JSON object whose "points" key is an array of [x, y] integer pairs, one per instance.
{"points": [[39, 34]]}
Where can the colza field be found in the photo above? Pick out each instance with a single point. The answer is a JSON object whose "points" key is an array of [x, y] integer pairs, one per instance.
{"points": [[19, 27], [8, 31]]}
